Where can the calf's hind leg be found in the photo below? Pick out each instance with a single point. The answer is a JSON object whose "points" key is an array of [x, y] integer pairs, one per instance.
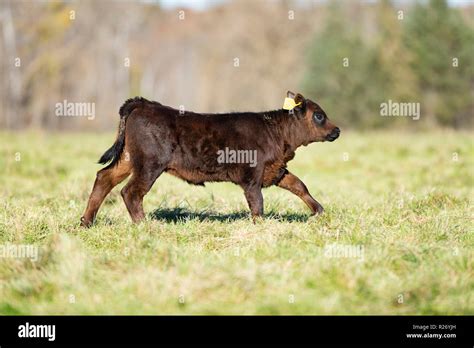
{"points": [[138, 186], [105, 181]]}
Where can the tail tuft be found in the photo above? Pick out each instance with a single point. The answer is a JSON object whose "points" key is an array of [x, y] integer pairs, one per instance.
{"points": [[113, 154]]}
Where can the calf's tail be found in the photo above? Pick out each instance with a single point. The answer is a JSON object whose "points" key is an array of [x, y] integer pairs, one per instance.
{"points": [[113, 154]]}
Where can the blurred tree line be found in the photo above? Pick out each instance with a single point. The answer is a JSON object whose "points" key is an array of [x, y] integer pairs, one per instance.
{"points": [[238, 55], [422, 54]]}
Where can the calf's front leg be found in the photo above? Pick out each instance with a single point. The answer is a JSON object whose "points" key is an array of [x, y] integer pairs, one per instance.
{"points": [[253, 194], [293, 184]]}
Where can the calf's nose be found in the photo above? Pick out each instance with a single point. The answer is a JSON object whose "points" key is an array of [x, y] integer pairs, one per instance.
{"points": [[334, 134]]}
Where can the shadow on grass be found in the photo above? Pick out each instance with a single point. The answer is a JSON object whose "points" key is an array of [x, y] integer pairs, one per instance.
{"points": [[182, 214]]}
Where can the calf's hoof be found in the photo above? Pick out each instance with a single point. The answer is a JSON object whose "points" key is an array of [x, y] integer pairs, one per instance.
{"points": [[257, 219], [85, 223], [318, 210]]}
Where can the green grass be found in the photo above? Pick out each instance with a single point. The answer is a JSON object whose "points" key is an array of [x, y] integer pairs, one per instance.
{"points": [[400, 198]]}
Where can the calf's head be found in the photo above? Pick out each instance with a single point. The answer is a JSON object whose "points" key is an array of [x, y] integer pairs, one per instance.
{"points": [[316, 124]]}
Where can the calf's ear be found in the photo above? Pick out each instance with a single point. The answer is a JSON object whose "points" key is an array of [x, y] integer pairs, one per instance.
{"points": [[299, 99]]}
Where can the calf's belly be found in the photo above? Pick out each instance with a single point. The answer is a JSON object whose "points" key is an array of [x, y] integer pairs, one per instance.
{"points": [[196, 176]]}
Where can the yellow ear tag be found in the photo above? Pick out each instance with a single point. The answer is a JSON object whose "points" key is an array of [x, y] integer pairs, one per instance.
{"points": [[289, 104]]}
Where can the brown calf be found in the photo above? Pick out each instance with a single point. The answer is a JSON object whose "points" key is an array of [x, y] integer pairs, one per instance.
{"points": [[248, 149]]}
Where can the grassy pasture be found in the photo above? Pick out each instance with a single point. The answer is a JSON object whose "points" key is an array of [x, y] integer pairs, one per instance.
{"points": [[396, 237]]}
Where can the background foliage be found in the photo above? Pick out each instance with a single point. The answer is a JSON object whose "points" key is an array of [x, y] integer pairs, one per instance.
{"points": [[422, 54], [189, 58]]}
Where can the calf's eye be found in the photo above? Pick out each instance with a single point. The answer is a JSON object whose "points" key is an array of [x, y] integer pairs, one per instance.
{"points": [[318, 117]]}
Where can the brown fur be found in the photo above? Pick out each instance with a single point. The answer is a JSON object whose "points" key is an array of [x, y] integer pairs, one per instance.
{"points": [[154, 138]]}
